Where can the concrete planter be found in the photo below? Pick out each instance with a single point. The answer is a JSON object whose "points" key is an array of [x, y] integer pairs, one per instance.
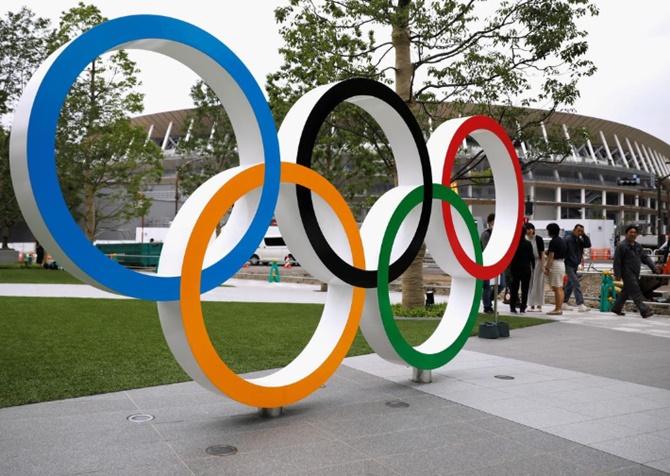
{"points": [[9, 257]]}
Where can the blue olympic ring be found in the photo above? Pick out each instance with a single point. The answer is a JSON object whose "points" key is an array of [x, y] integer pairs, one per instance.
{"points": [[42, 166]]}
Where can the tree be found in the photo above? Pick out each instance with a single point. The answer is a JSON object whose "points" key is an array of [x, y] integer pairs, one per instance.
{"points": [[210, 147], [9, 209], [210, 144], [104, 162], [23, 40], [449, 57]]}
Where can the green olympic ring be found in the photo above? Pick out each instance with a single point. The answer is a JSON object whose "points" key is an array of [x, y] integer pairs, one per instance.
{"points": [[411, 355]]}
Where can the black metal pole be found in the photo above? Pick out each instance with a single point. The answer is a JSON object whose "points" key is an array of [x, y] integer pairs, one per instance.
{"points": [[176, 192], [495, 300], [659, 212]]}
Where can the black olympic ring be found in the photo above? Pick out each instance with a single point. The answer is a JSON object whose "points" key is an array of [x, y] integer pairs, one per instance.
{"points": [[325, 105]]}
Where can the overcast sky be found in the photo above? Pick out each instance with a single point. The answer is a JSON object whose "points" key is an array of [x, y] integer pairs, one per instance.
{"points": [[629, 42]]}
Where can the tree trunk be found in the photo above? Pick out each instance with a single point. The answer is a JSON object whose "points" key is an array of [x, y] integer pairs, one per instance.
{"points": [[5, 238], [403, 59], [89, 216], [412, 279]]}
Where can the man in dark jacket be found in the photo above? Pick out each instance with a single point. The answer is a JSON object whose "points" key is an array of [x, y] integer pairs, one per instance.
{"points": [[576, 242], [628, 259], [487, 294]]}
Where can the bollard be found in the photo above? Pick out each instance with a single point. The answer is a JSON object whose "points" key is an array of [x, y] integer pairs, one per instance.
{"points": [[607, 292], [273, 277], [421, 375], [271, 412]]}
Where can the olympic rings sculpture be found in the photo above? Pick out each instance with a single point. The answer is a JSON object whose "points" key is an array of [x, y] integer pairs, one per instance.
{"points": [[274, 177]]}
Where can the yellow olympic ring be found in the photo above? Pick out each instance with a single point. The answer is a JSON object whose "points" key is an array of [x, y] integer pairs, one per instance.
{"points": [[215, 369]]}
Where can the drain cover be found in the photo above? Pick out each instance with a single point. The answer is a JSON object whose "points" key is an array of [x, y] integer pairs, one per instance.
{"points": [[140, 418], [221, 450], [397, 404], [504, 377]]}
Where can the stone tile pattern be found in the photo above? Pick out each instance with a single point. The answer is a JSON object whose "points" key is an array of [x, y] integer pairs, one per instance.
{"points": [[609, 352], [345, 428], [627, 420]]}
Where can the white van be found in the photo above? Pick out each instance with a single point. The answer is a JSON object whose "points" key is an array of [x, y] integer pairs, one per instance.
{"points": [[272, 248]]}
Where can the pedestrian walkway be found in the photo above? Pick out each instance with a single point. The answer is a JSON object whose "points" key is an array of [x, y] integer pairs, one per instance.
{"points": [[586, 395], [551, 419], [658, 325], [237, 290]]}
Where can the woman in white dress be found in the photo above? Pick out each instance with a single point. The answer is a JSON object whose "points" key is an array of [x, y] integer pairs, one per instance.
{"points": [[536, 294]]}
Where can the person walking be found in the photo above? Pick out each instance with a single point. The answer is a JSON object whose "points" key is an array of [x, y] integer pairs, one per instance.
{"points": [[487, 291], [536, 292], [628, 259], [575, 244], [39, 254], [555, 267], [521, 269]]}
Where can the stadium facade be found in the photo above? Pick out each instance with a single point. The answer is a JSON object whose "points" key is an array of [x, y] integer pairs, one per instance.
{"points": [[587, 184]]}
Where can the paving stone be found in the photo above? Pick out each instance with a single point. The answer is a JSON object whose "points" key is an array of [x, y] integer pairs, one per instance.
{"points": [[358, 468], [596, 351], [662, 434], [637, 470], [592, 431], [398, 419], [76, 406], [455, 458], [615, 406], [347, 428], [547, 418], [171, 467], [642, 422], [108, 426], [541, 441], [408, 441], [662, 465], [638, 448], [592, 459], [192, 445], [544, 465], [260, 463], [499, 426], [63, 457]]}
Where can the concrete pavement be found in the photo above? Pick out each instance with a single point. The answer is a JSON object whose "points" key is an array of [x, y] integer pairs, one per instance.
{"points": [[238, 290], [590, 394]]}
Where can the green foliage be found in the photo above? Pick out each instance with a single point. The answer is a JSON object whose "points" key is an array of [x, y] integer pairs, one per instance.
{"points": [[23, 41], [55, 348], [23, 47], [9, 209], [211, 146], [104, 162], [436, 310], [452, 58]]}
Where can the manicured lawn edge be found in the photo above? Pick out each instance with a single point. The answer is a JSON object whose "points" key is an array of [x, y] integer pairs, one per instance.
{"points": [[55, 348]]}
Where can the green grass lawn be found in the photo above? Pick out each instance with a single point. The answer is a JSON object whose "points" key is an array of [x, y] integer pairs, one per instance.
{"points": [[53, 348], [35, 274]]}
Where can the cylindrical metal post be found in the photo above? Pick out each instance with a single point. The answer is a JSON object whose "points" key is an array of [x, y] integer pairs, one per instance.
{"points": [[421, 376], [271, 412], [659, 213], [495, 300]]}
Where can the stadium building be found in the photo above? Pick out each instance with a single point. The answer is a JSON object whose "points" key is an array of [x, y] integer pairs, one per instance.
{"points": [[615, 175]]}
